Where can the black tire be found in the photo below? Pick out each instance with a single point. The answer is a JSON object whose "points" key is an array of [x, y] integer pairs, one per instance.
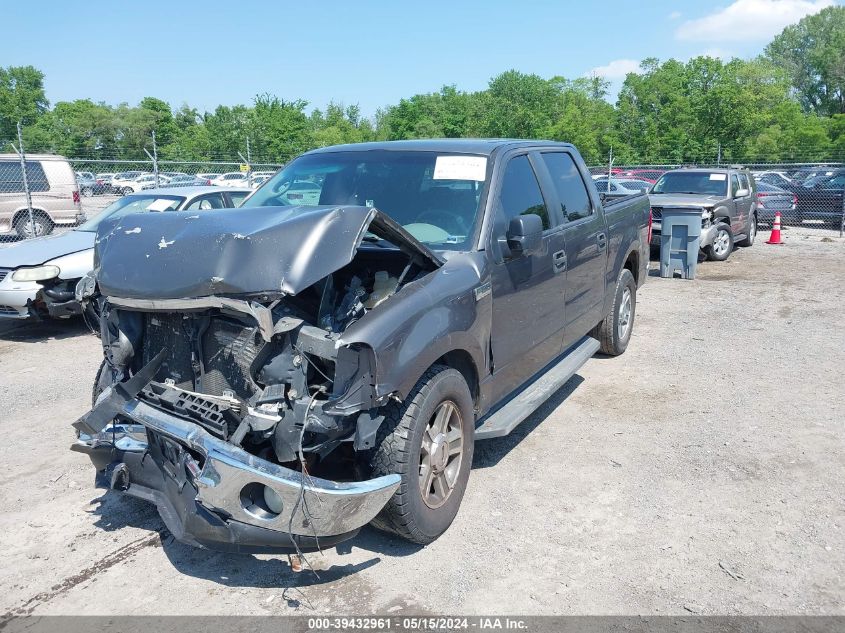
{"points": [[751, 231], [41, 225], [101, 381], [612, 335], [399, 450], [719, 253], [126, 191], [87, 192]]}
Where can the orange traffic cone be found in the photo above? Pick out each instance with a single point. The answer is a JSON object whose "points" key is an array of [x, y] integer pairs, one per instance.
{"points": [[775, 237]]}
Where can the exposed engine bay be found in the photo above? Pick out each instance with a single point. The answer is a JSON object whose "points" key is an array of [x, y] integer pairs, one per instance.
{"points": [[228, 395], [276, 397]]}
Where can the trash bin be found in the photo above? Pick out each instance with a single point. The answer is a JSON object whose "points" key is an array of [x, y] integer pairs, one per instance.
{"points": [[680, 232]]}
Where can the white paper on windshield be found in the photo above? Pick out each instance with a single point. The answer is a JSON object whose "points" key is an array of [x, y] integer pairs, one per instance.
{"points": [[718, 176], [460, 168], [160, 204]]}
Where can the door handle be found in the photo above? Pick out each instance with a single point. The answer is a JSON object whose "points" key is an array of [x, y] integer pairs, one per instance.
{"points": [[559, 261], [602, 240]]}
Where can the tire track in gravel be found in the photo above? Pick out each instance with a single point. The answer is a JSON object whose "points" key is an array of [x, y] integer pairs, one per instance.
{"points": [[106, 562]]}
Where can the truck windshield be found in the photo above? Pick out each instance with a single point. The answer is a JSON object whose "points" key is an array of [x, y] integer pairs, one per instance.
{"points": [[434, 196], [695, 182]]}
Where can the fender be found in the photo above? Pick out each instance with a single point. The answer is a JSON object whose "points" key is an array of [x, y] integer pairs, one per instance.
{"points": [[426, 319]]}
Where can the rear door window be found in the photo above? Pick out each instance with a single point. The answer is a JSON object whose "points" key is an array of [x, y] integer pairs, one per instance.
{"points": [[571, 189], [206, 202], [237, 197], [520, 192], [11, 177], [734, 185]]}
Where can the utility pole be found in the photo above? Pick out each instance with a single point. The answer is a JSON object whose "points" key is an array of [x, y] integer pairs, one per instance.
{"points": [[609, 167], [719, 155], [248, 163], [22, 156], [154, 158]]}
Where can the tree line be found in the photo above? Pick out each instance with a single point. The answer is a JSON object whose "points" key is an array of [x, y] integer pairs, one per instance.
{"points": [[788, 104]]}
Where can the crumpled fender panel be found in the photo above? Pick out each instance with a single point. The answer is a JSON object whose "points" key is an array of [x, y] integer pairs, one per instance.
{"points": [[173, 255]]}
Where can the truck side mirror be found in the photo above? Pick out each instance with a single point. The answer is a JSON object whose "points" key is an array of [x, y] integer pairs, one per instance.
{"points": [[525, 234], [741, 193]]}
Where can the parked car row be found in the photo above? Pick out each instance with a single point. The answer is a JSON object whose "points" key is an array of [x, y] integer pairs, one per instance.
{"points": [[126, 182], [817, 193]]}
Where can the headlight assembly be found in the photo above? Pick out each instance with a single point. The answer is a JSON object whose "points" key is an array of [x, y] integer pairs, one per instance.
{"points": [[39, 273]]}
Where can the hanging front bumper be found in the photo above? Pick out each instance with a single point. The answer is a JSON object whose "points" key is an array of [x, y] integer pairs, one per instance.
{"points": [[212, 494]]}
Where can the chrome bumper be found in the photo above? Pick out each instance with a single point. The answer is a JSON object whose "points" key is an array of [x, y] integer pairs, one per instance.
{"points": [[187, 471]]}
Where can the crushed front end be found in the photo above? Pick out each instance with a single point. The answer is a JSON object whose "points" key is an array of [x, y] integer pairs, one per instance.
{"points": [[243, 416]]}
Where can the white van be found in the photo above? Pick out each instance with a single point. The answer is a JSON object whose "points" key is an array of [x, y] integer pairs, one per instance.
{"points": [[54, 190]]}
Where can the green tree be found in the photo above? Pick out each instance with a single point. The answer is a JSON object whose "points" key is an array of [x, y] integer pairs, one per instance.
{"points": [[519, 106], [22, 98], [813, 53]]}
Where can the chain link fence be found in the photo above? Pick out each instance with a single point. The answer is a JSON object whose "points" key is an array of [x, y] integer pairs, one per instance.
{"points": [[805, 194], [42, 194]]}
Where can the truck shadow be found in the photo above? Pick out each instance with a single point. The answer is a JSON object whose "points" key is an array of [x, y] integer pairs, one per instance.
{"points": [[38, 331], [490, 452], [116, 512]]}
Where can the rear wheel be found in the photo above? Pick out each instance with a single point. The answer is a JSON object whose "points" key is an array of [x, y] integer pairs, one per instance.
{"points": [[87, 192], [751, 231], [428, 441], [614, 332], [722, 245], [39, 225]]}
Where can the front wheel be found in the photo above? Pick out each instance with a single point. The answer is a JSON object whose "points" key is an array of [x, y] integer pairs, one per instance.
{"points": [[722, 245], [614, 332], [428, 440]]}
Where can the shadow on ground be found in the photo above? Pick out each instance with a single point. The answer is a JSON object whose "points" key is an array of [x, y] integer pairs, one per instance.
{"points": [[37, 331], [115, 512]]}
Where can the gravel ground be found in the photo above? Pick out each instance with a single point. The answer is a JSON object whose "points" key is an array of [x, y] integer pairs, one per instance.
{"points": [[700, 472]]}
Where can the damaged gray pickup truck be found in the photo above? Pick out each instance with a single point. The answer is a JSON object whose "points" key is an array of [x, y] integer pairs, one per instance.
{"points": [[279, 375]]}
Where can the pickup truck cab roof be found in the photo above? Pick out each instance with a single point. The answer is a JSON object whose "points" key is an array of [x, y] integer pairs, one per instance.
{"points": [[481, 146]]}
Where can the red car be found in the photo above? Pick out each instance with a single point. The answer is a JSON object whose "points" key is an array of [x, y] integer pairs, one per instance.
{"points": [[651, 175]]}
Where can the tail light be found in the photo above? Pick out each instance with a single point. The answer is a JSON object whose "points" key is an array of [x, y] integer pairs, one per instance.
{"points": [[650, 222], [208, 182], [76, 197], [794, 201]]}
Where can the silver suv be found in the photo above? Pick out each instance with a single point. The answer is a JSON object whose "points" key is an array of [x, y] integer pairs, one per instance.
{"points": [[727, 201]]}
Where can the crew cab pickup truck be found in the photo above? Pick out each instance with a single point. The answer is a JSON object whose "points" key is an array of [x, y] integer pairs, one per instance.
{"points": [[275, 377], [727, 199]]}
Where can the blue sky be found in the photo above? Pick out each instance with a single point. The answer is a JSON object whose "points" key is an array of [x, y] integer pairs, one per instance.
{"points": [[371, 53]]}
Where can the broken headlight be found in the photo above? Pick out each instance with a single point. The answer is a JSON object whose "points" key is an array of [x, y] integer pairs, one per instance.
{"points": [[39, 273]]}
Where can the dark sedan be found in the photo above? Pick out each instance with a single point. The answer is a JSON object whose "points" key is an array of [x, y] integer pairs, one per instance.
{"points": [[821, 198], [771, 199]]}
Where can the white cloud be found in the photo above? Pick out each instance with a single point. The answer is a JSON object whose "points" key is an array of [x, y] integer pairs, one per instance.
{"points": [[617, 69], [745, 20], [719, 53], [675, 15]]}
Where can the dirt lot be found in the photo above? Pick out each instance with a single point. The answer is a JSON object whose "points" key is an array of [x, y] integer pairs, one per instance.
{"points": [[702, 471]]}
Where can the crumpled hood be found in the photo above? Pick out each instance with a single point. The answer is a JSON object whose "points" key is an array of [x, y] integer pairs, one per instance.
{"points": [[237, 251], [41, 250], [683, 200]]}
